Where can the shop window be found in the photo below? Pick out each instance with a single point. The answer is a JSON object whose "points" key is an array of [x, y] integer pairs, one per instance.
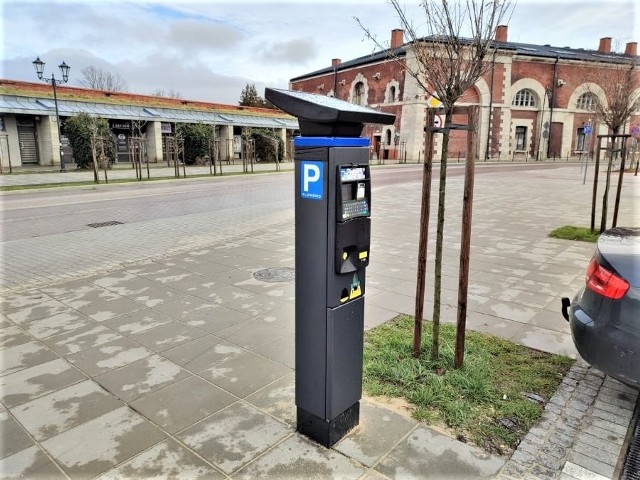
{"points": [[524, 98], [521, 138], [586, 101]]}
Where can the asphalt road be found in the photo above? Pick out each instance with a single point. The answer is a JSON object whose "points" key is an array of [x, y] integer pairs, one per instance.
{"points": [[30, 214]]}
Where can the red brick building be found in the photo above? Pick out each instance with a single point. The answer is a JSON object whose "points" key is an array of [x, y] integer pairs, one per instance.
{"points": [[535, 100]]}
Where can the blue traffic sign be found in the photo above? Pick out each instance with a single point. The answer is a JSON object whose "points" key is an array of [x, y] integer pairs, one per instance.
{"points": [[587, 129]]}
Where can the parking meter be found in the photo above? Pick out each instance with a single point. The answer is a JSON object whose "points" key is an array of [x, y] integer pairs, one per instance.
{"points": [[332, 241]]}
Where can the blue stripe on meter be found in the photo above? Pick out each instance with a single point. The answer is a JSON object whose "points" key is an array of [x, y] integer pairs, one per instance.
{"points": [[312, 180], [310, 142]]}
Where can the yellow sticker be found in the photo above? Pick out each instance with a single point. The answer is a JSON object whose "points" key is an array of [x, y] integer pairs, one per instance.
{"points": [[363, 255], [355, 292]]}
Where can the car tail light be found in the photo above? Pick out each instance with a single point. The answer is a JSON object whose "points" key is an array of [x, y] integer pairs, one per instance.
{"points": [[604, 282]]}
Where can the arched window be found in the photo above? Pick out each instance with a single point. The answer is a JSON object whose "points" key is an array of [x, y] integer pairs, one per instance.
{"points": [[358, 94], [388, 137], [586, 101], [392, 94], [524, 98]]}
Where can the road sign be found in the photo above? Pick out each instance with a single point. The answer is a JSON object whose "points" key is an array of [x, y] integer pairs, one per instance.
{"points": [[587, 129], [434, 102], [635, 131], [438, 121]]}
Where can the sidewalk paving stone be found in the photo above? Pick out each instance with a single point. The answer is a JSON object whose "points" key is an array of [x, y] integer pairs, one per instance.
{"points": [[245, 373], [32, 382], [32, 462], [182, 404], [19, 357], [141, 378], [57, 324], [14, 438], [167, 335], [81, 338], [297, 457], [427, 454], [108, 356], [377, 433], [233, 436], [167, 459], [277, 399], [102, 443], [63, 409]]}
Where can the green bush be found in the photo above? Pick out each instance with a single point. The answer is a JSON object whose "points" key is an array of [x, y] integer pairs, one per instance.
{"points": [[265, 145], [196, 138], [79, 129]]}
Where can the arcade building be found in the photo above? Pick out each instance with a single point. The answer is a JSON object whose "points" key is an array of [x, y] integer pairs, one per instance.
{"points": [[29, 134]]}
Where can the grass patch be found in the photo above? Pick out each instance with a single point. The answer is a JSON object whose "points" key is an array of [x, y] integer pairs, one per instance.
{"points": [[569, 232], [482, 402]]}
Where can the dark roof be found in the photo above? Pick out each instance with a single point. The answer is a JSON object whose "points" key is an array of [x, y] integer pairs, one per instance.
{"points": [[567, 53], [367, 59], [527, 49]]}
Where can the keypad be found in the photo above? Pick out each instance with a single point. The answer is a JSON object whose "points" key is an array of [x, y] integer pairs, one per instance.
{"points": [[355, 208]]}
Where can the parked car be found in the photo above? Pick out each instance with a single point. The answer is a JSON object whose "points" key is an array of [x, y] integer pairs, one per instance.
{"points": [[605, 314]]}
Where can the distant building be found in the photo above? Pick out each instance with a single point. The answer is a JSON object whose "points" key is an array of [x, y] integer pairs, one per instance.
{"points": [[517, 118], [28, 133]]}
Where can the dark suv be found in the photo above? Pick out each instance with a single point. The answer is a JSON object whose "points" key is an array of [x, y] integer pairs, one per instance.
{"points": [[605, 314]]}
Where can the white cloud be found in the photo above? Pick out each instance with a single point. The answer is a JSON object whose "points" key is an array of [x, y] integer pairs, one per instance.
{"points": [[209, 50]]}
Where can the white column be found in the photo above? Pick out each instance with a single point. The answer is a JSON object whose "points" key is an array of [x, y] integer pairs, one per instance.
{"points": [[154, 142]]}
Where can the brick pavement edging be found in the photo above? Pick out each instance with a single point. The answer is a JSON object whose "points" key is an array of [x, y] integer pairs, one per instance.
{"points": [[582, 430]]}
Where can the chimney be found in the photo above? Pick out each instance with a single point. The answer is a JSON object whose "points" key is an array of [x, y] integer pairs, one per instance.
{"points": [[632, 49], [605, 45], [397, 37], [335, 62], [502, 32]]}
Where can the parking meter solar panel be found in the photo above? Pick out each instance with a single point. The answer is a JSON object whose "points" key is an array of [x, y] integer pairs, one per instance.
{"points": [[320, 115]]}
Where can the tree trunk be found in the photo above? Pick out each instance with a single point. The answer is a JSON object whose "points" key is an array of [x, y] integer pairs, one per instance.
{"points": [[595, 186], [605, 197], [424, 235], [465, 236], [435, 344], [623, 157]]}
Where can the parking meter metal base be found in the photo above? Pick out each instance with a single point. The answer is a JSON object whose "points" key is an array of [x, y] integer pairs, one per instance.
{"points": [[328, 432]]}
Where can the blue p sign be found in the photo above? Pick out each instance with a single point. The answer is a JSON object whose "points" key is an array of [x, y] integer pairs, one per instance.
{"points": [[312, 181]]}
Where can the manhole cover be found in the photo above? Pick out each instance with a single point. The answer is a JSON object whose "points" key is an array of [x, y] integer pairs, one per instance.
{"points": [[104, 224], [275, 275]]}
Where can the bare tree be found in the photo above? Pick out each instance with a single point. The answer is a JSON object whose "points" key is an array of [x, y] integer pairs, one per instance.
{"points": [[99, 79], [612, 103], [168, 94], [619, 84], [447, 62]]}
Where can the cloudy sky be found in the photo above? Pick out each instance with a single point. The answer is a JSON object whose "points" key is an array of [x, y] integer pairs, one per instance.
{"points": [[211, 50]]}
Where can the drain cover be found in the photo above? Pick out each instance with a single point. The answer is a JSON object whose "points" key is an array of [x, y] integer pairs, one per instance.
{"points": [[104, 224], [275, 275]]}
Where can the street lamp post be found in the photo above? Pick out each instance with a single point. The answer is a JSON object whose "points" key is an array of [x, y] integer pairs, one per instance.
{"points": [[64, 70]]}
